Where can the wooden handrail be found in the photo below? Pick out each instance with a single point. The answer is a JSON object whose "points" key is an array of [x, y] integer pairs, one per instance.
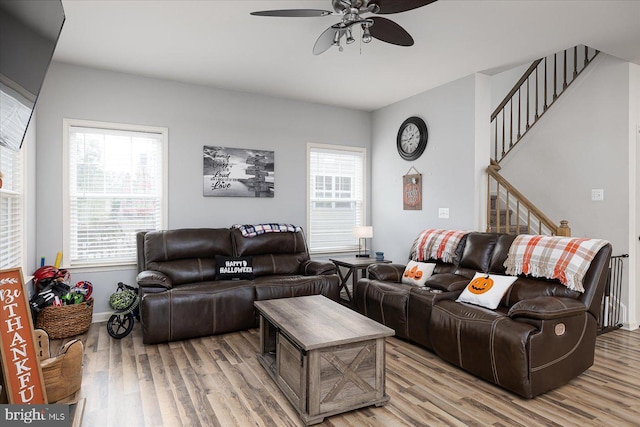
{"points": [[516, 87], [521, 109], [493, 169]]}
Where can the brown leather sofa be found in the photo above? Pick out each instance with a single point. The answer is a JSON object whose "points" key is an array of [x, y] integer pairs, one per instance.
{"points": [[181, 299], [540, 337]]}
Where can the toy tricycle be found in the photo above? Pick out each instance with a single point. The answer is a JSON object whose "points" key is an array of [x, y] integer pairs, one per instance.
{"points": [[125, 303]]}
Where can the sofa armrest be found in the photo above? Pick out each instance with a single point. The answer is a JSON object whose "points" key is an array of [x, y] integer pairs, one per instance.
{"points": [[317, 268], [547, 308], [386, 272], [154, 279]]}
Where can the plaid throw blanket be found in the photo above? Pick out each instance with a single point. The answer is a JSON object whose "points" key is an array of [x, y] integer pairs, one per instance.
{"points": [[437, 244], [248, 230], [564, 258]]}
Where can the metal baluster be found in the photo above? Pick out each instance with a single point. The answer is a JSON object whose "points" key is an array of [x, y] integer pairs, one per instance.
{"points": [[537, 94], [555, 76], [575, 61], [511, 123], [586, 56], [545, 84], [564, 71], [519, 111], [503, 132], [528, 102]]}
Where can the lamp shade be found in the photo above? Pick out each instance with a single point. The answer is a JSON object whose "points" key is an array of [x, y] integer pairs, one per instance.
{"points": [[364, 232]]}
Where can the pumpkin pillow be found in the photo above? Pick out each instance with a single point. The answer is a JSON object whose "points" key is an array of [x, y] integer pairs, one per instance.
{"points": [[417, 273], [486, 290]]}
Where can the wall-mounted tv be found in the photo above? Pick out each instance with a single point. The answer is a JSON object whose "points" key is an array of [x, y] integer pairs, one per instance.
{"points": [[29, 31]]}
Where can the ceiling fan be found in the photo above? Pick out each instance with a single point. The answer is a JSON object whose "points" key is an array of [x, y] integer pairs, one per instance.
{"points": [[351, 12]]}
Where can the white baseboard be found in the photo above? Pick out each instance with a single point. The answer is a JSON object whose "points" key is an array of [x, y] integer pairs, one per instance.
{"points": [[630, 326], [101, 317]]}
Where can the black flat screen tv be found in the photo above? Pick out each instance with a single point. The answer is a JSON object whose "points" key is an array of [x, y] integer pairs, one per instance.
{"points": [[29, 31]]}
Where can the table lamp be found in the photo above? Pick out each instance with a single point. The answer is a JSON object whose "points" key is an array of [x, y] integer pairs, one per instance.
{"points": [[363, 233]]}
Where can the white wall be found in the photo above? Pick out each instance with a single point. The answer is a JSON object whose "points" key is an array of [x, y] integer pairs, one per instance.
{"points": [[448, 166], [580, 144], [196, 116]]}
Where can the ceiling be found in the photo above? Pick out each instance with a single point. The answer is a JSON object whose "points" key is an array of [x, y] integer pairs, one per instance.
{"points": [[217, 43]]}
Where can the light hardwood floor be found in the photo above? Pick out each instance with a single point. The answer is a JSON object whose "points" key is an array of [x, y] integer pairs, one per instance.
{"points": [[217, 381]]}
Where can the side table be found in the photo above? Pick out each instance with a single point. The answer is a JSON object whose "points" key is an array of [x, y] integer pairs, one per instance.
{"points": [[353, 265]]}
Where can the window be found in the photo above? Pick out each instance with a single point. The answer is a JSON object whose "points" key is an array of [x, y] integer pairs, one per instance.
{"points": [[115, 185], [335, 196], [11, 209]]}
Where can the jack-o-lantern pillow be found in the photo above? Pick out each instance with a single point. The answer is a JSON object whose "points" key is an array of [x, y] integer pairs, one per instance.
{"points": [[486, 290], [417, 273]]}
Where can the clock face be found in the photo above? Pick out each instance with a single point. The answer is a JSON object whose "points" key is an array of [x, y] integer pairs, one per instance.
{"points": [[412, 138]]}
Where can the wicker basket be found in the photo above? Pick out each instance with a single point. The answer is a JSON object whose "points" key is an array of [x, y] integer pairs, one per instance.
{"points": [[66, 321]]}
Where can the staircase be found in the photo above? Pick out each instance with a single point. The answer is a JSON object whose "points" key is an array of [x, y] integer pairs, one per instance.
{"points": [[546, 79]]}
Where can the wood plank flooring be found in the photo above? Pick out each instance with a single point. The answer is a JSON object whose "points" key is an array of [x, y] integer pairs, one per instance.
{"points": [[217, 381]]}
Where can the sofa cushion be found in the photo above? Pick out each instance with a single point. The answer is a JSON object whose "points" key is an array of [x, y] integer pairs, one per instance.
{"points": [[486, 290], [186, 255], [525, 288], [288, 286], [447, 282], [273, 253]]}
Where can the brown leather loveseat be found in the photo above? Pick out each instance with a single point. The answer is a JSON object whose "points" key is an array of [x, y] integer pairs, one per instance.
{"points": [[540, 336], [181, 298]]}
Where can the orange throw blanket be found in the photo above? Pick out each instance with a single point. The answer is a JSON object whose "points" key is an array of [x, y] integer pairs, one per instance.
{"points": [[564, 258]]}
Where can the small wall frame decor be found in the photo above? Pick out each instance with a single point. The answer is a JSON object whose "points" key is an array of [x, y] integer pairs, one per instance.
{"points": [[21, 370], [237, 172], [412, 191]]}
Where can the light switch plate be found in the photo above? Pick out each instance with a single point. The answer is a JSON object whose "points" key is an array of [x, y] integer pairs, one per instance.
{"points": [[597, 194], [443, 213]]}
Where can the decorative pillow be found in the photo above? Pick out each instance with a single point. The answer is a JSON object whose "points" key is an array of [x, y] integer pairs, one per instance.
{"points": [[417, 273], [234, 268], [486, 290]]}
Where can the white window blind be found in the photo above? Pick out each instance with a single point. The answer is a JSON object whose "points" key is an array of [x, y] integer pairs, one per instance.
{"points": [[11, 206], [116, 188], [336, 197]]}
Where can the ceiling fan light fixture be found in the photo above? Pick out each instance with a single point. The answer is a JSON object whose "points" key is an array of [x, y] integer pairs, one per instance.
{"points": [[350, 38], [366, 35], [336, 40]]}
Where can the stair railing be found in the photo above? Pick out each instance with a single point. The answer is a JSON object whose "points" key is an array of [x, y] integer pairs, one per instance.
{"points": [[538, 88], [509, 211]]}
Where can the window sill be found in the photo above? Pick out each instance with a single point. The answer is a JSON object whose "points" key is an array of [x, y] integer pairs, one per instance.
{"points": [[93, 268]]}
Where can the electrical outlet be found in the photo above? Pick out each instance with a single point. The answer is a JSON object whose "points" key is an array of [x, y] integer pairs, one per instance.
{"points": [[443, 213], [597, 194]]}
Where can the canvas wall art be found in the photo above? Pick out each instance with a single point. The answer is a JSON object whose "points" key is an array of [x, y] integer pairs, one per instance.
{"points": [[237, 172]]}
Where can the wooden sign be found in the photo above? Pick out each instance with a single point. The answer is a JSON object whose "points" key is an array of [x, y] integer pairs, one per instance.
{"points": [[20, 365], [412, 192]]}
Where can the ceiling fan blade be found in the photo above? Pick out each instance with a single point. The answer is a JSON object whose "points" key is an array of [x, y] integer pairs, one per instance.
{"points": [[325, 41], [388, 31], [293, 13], [397, 6]]}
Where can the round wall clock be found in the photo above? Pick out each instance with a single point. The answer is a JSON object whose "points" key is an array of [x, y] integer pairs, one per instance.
{"points": [[412, 138]]}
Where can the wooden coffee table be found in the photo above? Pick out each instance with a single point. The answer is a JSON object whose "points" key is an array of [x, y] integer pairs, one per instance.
{"points": [[326, 358]]}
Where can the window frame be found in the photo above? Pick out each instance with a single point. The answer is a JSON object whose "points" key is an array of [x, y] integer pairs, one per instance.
{"points": [[361, 151], [66, 195], [22, 199]]}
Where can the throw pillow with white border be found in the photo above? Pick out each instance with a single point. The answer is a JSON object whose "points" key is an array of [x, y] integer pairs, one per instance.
{"points": [[486, 290], [417, 273]]}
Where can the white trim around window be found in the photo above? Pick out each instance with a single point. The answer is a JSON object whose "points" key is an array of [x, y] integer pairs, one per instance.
{"points": [[336, 196], [111, 193]]}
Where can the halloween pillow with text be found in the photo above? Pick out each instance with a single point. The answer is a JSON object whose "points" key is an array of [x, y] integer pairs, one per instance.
{"points": [[416, 273], [486, 290]]}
